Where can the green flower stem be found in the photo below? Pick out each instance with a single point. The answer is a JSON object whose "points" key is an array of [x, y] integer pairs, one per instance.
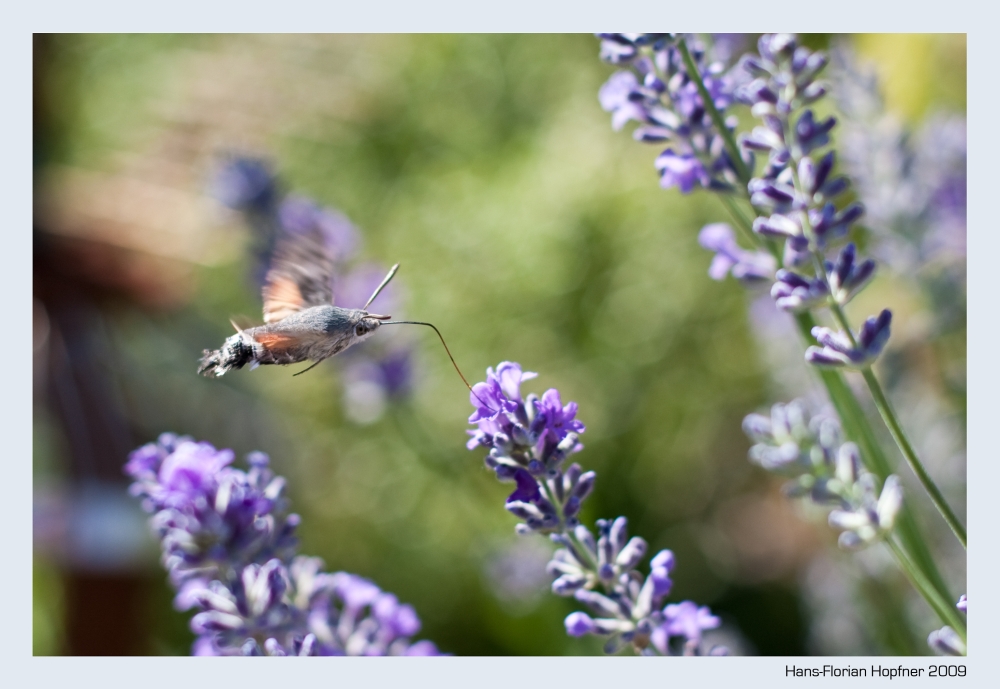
{"points": [[734, 151], [944, 608], [889, 416]]}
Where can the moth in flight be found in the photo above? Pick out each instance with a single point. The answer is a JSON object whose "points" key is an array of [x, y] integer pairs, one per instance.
{"points": [[300, 321]]}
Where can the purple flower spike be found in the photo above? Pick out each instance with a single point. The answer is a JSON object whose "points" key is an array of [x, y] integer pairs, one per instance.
{"points": [[229, 547], [529, 445], [658, 92], [963, 604], [730, 258]]}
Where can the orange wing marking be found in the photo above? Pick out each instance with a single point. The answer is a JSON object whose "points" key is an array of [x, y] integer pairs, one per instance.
{"points": [[282, 298], [275, 342]]}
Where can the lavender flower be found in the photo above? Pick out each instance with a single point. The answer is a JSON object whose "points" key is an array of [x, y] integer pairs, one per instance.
{"points": [[838, 349], [246, 184], [871, 518], [299, 215], [229, 549], [808, 447], [657, 92], [529, 439], [802, 218], [799, 188], [913, 183]]}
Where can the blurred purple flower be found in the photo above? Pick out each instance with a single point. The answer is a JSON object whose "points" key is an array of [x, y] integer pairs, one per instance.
{"points": [[229, 548], [244, 183], [298, 214], [689, 620], [354, 288], [747, 266]]}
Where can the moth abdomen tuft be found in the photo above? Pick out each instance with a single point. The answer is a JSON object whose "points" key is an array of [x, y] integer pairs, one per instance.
{"points": [[235, 352]]}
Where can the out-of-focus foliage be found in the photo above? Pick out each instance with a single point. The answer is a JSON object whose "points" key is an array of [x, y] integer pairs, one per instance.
{"points": [[527, 230]]}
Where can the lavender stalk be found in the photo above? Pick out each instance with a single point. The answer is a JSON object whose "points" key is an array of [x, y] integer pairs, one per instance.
{"points": [[808, 448], [229, 546], [646, 107], [529, 441], [798, 188]]}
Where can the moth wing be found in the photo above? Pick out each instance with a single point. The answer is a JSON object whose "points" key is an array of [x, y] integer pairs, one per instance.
{"points": [[300, 276]]}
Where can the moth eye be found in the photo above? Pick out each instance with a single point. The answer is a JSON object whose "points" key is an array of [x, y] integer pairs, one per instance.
{"points": [[360, 330]]}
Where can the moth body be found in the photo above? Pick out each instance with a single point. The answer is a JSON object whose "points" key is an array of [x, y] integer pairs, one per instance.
{"points": [[300, 321], [312, 334]]}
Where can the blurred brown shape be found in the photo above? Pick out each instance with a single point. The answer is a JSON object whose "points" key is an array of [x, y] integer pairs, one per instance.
{"points": [[768, 539], [105, 615]]}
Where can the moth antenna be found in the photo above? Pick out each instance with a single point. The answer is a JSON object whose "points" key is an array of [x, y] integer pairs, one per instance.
{"points": [[431, 325], [238, 328], [392, 271]]}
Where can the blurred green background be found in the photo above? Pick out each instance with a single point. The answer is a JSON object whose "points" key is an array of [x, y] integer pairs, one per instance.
{"points": [[527, 230]]}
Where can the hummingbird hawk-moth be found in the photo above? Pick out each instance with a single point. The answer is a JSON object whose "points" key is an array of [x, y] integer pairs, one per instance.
{"points": [[300, 321]]}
